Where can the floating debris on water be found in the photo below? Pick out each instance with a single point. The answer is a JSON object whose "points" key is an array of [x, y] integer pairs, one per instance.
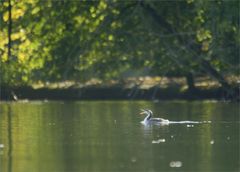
{"points": [[175, 164], [1, 145], [158, 141], [190, 125], [172, 136], [228, 138], [133, 159], [45, 100], [212, 142]]}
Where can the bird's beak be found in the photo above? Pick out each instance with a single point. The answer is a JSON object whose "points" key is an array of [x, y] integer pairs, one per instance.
{"points": [[143, 111]]}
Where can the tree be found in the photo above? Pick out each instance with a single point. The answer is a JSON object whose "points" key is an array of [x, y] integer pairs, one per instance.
{"points": [[60, 40]]}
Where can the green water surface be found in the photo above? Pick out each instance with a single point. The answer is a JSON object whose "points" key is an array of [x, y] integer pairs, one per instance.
{"points": [[107, 136]]}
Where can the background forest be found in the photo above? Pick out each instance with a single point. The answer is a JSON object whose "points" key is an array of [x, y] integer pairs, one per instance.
{"points": [[60, 40]]}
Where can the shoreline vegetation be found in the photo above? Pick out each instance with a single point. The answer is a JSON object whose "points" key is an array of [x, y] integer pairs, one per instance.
{"points": [[132, 88], [56, 49]]}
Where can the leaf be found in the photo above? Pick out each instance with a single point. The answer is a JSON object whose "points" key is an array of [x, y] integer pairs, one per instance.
{"points": [[205, 46], [35, 10], [25, 78], [17, 13], [21, 57], [110, 37], [5, 16]]}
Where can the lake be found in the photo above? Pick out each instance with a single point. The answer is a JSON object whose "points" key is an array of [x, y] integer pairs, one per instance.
{"points": [[107, 136]]}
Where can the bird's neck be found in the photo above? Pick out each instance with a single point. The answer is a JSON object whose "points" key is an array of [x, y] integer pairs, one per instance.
{"points": [[148, 117]]}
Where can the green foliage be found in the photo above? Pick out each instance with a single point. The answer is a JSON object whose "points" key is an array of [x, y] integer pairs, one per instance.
{"points": [[71, 40]]}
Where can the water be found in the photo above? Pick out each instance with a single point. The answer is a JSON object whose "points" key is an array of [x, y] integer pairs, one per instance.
{"points": [[107, 136]]}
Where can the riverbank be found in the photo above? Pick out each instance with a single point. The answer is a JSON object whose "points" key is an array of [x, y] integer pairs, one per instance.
{"points": [[143, 88]]}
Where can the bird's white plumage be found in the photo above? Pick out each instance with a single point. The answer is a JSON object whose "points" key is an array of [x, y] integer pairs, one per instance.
{"points": [[150, 120]]}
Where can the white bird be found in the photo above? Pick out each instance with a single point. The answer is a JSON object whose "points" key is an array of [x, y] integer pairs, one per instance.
{"points": [[150, 120]]}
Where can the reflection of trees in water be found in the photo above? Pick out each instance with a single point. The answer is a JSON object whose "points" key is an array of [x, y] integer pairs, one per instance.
{"points": [[102, 136], [9, 116]]}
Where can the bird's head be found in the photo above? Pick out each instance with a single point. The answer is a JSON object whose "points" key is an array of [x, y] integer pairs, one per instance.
{"points": [[146, 112]]}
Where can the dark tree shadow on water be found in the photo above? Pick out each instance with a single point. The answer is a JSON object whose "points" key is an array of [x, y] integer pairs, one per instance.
{"points": [[9, 130]]}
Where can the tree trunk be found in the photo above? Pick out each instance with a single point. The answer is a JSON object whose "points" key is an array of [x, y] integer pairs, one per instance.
{"points": [[9, 29], [214, 73], [190, 82]]}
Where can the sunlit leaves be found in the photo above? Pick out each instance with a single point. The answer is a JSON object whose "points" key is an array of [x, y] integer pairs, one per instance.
{"points": [[110, 37], [205, 45], [200, 17], [17, 68], [79, 20], [65, 39], [21, 35], [203, 34], [116, 24], [5, 16], [16, 12], [190, 1], [204, 37], [102, 5], [35, 10]]}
